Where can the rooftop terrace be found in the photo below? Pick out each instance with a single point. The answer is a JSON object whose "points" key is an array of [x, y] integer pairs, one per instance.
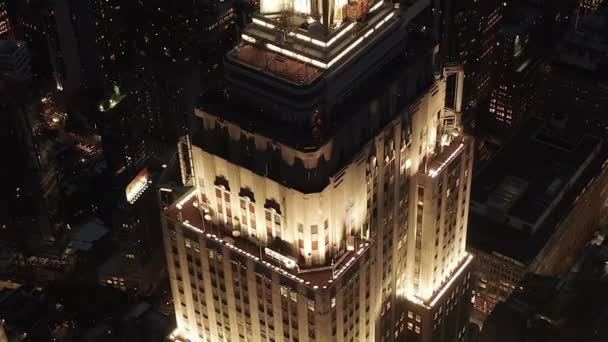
{"points": [[276, 64]]}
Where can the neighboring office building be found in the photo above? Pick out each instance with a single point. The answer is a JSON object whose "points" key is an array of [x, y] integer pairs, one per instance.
{"points": [[543, 308], [113, 21], [312, 194], [534, 206], [28, 26], [205, 29], [63, 47], [34, 208], [122, 130], [138, 264], [78, 46], [472, 42], [514, 88]]}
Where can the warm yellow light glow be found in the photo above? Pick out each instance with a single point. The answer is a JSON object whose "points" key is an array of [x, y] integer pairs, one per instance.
{"points": [[189, 225], [336, 59], [188, 196], [321, 43], [408, 163], [297, 56], [340, 34], [409, 295], [452, 279], [376, 6], [262, 23], [347, 50], [137, 186], [301, 6], [248, 38], [358, 41], [271, 6], [435, 172], [285, 260]]}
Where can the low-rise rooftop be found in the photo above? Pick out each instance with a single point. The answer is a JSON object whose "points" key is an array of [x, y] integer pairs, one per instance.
{"points": [[519, 197]]}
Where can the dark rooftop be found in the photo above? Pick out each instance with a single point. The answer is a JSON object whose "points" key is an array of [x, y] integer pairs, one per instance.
{"points": [[9, 46], [551, 309], [519, 197], [265, 60]]}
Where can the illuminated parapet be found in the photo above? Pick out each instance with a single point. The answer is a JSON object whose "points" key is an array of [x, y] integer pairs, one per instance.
{"points": [[302, 53], [295, 63], [330, 13], [444, 316], [438, 239]]}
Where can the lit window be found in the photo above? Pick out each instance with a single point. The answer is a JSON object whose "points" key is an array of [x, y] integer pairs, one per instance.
{"points": [[273, 224], [223, 205], [311, 305], [248, 216]]}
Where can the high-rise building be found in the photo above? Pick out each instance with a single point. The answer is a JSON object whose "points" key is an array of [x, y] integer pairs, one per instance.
{"points": [[329, 184], [33, 210], [28, 26], [6, 29], [204, 28], [471, 41], [122, 132], [63, 47], [513, 91], [112, 37], [77, 45], [138, 263]]}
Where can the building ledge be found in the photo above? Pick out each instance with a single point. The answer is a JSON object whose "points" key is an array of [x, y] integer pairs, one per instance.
{"points": [[440, 291], [186, 211]]}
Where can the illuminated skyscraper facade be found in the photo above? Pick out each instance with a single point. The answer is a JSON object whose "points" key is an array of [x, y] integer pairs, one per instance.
{"points": [[328, 185], [5, 23]]}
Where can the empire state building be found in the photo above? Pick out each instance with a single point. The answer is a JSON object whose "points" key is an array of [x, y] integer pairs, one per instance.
{"points": [[327, 189]]}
